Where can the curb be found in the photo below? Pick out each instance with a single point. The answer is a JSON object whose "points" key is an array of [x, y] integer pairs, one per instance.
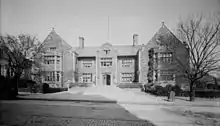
{"points": [[114, 102], [69, 100], [171, 104]]}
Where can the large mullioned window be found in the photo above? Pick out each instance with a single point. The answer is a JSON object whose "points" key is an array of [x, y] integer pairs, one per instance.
{"points": [[87, 64], [50, 76], [106, 62], [51, 60], [87, 77], [126, 62], [166, 57], [127, 77], [166, 75]]}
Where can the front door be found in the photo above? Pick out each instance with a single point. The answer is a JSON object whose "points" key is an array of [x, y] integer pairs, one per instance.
{"points": [[108, 79]]}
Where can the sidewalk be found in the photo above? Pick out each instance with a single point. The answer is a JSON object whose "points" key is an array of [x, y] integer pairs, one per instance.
{"points": [[182, 101]]}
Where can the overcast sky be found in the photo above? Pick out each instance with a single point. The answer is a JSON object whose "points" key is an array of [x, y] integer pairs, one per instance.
{"points": [[89, 18]]}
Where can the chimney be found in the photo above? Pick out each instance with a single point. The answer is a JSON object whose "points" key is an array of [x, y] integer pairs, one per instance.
{"points": [[135, 39], [81, 42]]}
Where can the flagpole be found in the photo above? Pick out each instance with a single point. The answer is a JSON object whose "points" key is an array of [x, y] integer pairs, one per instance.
{"points": [[108, 32]]}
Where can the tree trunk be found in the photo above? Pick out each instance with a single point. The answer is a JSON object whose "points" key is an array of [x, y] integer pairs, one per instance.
{"points": [[15, 85], [191, 92]]}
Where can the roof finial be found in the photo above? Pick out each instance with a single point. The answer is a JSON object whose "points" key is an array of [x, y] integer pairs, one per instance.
{"points": [[163, 24]]}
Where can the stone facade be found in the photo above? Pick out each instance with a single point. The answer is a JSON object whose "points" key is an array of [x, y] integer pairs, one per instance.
{"points": [[159, 57], [108, 64], [114, 65], [58, 61]]}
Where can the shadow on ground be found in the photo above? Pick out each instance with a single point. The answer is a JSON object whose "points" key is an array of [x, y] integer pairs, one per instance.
{"points": [[177, 98], [32, 113]]}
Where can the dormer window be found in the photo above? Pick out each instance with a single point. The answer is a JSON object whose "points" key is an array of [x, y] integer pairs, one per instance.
{"points": [[52, 48]]}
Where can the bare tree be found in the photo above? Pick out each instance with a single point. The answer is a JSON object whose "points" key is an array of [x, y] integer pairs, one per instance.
{"points": [[24, 49], [202, 39]]}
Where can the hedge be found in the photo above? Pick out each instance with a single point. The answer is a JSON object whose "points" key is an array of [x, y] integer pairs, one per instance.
{"points": [[164, 91], [129, 85], [207, 93], [46, 89], [79, 84]]}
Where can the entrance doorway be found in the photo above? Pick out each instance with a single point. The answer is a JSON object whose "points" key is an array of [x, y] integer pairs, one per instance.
{"points": [[106, 79]]}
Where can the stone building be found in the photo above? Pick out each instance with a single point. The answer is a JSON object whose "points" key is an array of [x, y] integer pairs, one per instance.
{"points": [[58, 60], [163, 59], [114, 64], [108, 64]]}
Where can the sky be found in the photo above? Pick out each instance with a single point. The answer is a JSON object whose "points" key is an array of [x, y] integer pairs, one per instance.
{"points": [[89, 18]]}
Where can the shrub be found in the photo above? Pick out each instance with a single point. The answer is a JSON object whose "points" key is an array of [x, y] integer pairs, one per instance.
{"points": [[54, 90], [207, 93], [161, 91], [210, 86], [177, 90], [45, 87], [130, 85], [168, 87], [164, 91], [83, 84]]}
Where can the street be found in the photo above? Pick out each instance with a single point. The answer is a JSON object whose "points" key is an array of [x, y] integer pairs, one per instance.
{"points": [[54, 113]]}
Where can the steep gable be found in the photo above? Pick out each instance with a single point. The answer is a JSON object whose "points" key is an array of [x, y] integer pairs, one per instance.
{"points": [[54, 40], [161, 36]]}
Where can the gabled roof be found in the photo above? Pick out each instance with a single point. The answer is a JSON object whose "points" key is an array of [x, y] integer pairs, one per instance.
{"points": [[123, 50], [53, 39], [163, 32]]}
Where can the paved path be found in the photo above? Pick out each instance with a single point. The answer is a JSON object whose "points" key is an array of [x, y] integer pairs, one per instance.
{"points": [[120, 95]]}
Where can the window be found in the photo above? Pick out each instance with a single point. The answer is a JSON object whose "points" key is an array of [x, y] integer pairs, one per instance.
{"points": [[48, 61], [166, 75], [87, 77], [50, 76], [127, 62], [106, 62], [127, 77], [86, 64], [58, 61], [58, 76], [3, 70], [166, 57], [52, 48], [107, 51], [48, 57]]}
